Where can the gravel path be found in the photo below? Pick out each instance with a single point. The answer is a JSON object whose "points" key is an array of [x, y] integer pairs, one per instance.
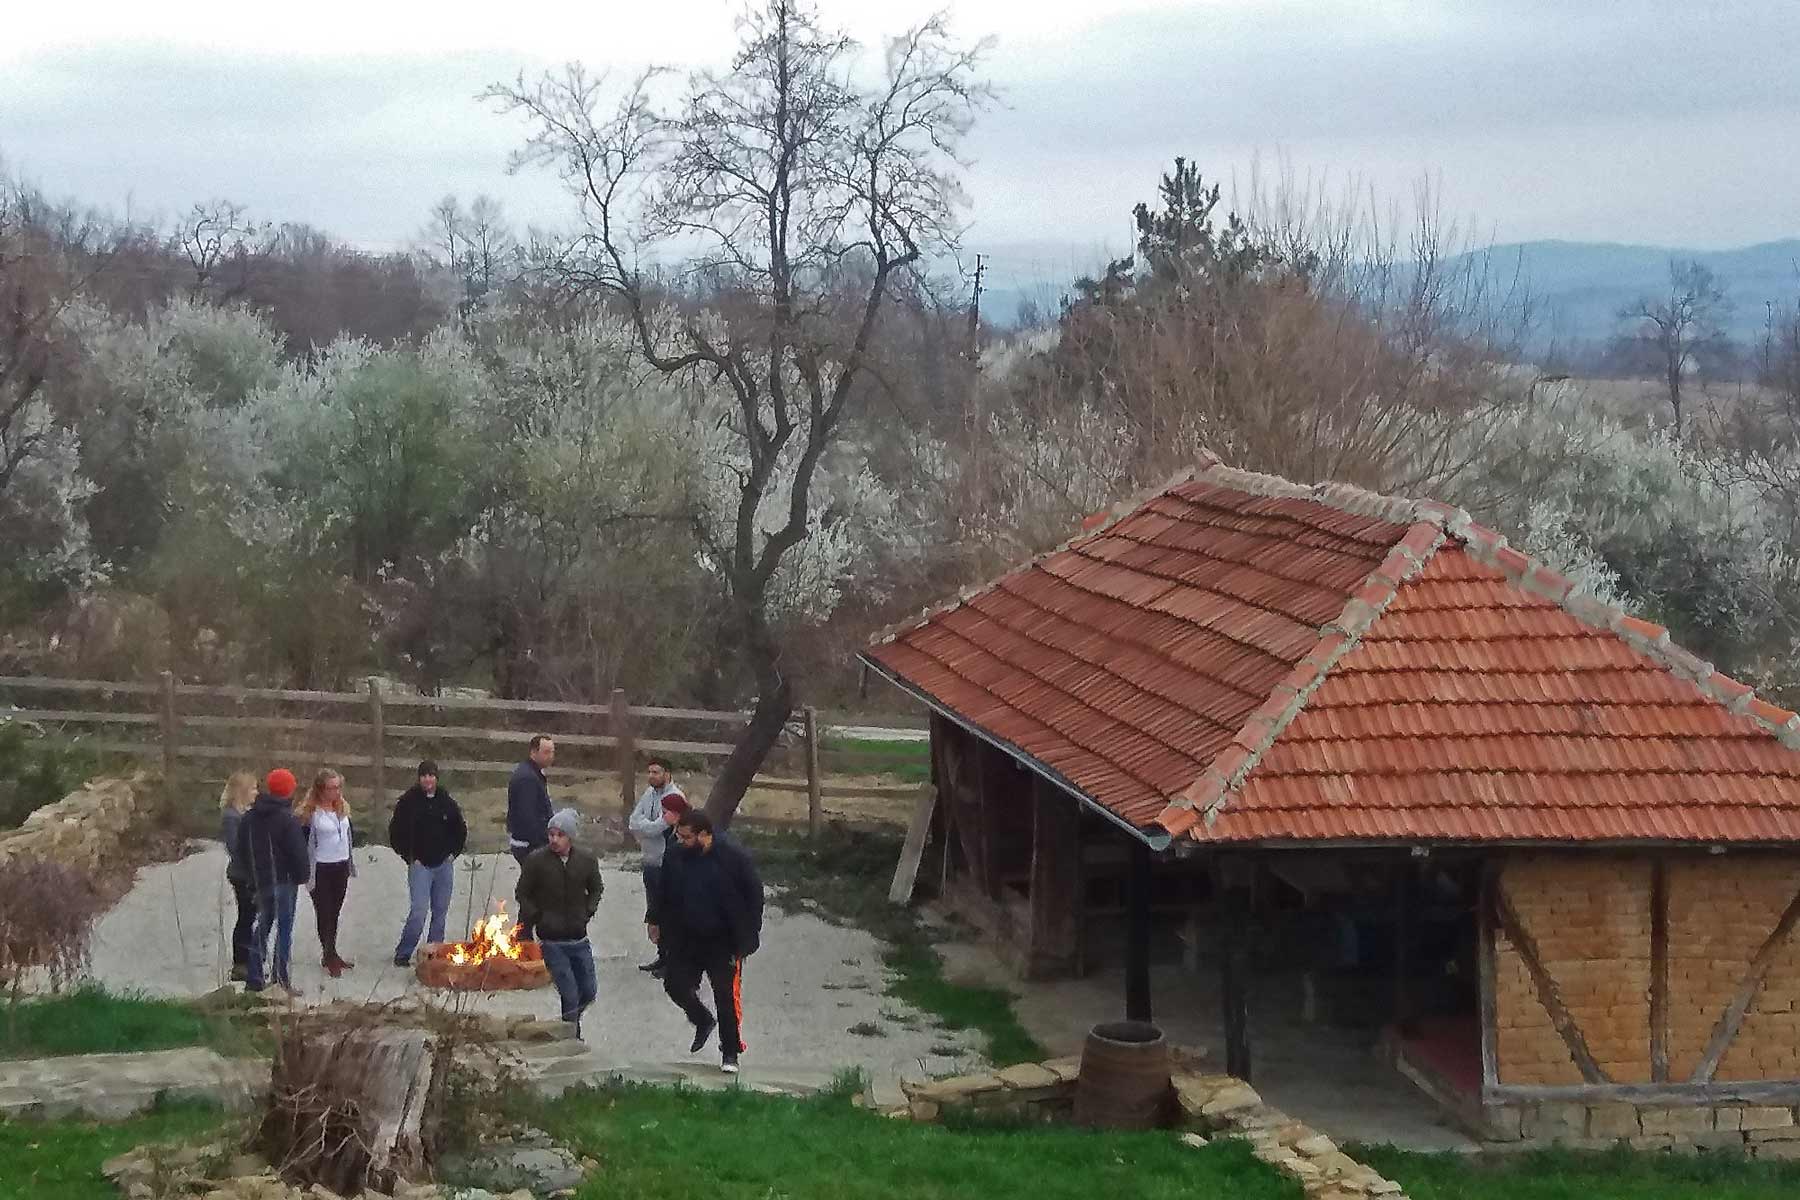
{"points": [[803, 992]]}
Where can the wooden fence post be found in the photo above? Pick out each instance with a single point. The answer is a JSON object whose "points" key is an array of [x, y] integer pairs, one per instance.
{"points": [[377, 753], [625, 750], [171, 730], [814, 812]]}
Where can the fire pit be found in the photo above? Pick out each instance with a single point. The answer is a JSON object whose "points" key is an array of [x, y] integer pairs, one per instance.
{"points": [[492, 960]]}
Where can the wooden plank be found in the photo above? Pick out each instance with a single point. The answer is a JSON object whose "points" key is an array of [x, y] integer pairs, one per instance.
{"points": [[1234, 982], [1659, 972], [810, 726], [1733, 1017], [303, 724], [1055, 896], [79, 716], [1547, 992], [872, 791], [1489, 973], [475, 733], [715, 716], [103, 686], [1783, 1092], [624, 756], [913, 849], [377, 748], [171, 742], [224, 692]]}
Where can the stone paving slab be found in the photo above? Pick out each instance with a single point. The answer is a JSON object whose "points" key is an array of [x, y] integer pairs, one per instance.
{"points": [[112, 1087]]}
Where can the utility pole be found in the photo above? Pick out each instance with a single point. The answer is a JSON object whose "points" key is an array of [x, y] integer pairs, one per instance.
{"points": [[976, 433]]}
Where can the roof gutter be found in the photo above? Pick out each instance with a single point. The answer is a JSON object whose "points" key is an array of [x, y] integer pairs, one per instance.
{"points": [[1158, 841]]}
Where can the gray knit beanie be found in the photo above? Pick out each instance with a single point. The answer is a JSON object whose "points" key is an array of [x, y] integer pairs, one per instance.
{"points": [[568, 821]]}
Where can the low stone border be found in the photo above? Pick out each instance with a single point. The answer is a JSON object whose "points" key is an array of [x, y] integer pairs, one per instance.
{"points": [[84, 829], [1765, 1131], [111, 1087], [1216, 1105]]}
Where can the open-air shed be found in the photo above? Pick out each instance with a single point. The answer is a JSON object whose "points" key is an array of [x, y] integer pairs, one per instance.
{"points": [[1277, 708]]}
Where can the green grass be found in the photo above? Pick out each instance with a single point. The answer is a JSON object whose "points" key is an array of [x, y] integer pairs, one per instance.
{"points": [[909, 762], [60, 1160], [654, 1143], [90, 1020], [1568, 1175], [847, 873]]}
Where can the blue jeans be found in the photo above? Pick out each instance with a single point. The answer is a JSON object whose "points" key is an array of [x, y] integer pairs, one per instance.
{"points": [[426, 886], [273, 909], [571, 966]]}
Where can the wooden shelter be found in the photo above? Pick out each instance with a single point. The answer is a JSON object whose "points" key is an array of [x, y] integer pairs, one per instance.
{"points": [[1253, 697]]}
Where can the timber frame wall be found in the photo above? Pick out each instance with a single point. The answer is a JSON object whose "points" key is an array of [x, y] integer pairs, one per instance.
{"points": [[1639, 977]]}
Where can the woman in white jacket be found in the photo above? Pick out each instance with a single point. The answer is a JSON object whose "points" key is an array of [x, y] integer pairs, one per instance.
{"points": [[326, 818]]}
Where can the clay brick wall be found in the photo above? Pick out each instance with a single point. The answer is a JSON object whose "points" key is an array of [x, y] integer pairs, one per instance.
{"points": [[1590, 918]]}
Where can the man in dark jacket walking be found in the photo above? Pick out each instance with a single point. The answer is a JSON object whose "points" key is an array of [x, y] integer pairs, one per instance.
{"points": [[272, 844], [707, 919], [559, 893], [528, 799], [427, 831]]}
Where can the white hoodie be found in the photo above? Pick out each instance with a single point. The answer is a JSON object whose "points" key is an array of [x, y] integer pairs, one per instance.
{"points": [[648, 824]]}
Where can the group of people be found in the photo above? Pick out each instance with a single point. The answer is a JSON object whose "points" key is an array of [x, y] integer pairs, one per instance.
{"points": [[703, 898]]}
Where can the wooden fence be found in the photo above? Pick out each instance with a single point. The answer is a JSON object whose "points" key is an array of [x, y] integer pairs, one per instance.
{"points": [[379, 731]]}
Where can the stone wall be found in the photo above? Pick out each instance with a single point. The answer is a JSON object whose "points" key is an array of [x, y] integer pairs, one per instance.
{"points": [[1761, 1131], [1589, 918], [86, 829]]}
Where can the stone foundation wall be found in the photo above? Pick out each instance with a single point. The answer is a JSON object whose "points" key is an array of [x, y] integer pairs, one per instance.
{"points": [[1761, 1131], [85, 829], [1590, 918]]}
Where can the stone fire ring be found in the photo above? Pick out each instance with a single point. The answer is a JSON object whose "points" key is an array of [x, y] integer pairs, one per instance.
{"points": [[435, 969]]}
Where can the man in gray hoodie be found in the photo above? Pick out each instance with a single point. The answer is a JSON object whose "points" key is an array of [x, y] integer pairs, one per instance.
{"points": [[653, 823]]}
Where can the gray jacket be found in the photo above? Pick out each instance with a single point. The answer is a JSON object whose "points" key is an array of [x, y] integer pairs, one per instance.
{"points": [[647, 823]]}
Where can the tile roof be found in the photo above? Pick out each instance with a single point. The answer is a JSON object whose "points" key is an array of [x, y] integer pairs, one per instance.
{"points": [[1240, 659]]}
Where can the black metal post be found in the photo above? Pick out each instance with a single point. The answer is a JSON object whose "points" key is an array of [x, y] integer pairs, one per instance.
{"points": [[1137, 944]]}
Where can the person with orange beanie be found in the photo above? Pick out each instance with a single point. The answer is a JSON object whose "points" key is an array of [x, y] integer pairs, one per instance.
{"points": [[272, 844]]}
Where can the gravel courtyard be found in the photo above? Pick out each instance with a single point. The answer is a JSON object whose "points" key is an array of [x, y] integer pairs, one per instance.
{"points": [[810, 984]]}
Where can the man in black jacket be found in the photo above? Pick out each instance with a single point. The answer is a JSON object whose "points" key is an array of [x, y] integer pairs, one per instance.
{"points": [[427, 831], [707, 918], [559, 893], [528, 799], [271, 841]]}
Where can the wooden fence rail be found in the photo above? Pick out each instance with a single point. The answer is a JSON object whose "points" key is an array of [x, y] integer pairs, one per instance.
{"points": [[369, 730]]}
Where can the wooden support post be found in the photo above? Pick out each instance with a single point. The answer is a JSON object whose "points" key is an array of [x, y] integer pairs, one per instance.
{"points": [[1488, 973], [1137, 945], [1055, 896], [907, 872], [815, 811], [1234, 981], [1405, 1016], [377, 751], [626, 750], [171, 734]]}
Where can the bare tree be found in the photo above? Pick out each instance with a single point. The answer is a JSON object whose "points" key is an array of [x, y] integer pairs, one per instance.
{"points": [[213, 235], [799, 197], [1678, 331]]}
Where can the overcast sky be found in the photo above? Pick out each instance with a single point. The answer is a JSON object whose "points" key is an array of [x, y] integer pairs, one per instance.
{"points": [[1671, 122]]}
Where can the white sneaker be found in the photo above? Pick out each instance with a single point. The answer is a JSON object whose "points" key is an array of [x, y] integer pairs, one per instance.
{"points": [[729, 1066]]}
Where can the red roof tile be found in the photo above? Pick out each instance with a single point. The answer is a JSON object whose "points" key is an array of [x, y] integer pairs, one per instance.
{"points": [[1242, 660]]}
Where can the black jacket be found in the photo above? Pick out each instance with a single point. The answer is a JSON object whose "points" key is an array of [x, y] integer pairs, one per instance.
{"points": [[557, 897], [427, 829], [272, 844], [528, 805], [709, 896]]}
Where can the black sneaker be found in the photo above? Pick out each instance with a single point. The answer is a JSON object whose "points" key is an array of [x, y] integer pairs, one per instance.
{"points": [[653, 969], [729, 1066], [403, 963], [702, 1033]]}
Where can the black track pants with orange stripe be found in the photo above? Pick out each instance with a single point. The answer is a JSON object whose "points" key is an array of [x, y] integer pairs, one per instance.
{"points": [[725, 972]]}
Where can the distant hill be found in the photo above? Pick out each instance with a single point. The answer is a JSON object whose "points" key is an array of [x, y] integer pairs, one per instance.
{"points": [[1579, 286]]}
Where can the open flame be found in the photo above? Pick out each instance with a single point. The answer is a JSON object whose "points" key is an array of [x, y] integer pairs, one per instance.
{"points": [[493, 937]]}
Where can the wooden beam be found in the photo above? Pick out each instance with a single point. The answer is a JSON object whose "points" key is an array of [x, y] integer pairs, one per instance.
{"points": [[171, 745], [1783, 1092], [907, 872], [1234, 982], [377, 753], [1547, 992], [1405, 1014], [1733, 1017], [815, 814], [1659, 971], [1137, 942], [1488, 972], [618, 727], [1055, 882]]}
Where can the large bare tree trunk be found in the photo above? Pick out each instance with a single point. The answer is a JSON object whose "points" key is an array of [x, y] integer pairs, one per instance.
{"points": [[767, 720], [354, 1108]]}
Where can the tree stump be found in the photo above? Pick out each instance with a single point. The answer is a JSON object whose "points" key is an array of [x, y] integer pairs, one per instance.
{"points": [[354, 1108]]}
